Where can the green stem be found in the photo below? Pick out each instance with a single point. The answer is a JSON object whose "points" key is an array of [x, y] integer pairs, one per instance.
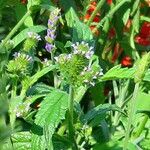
{"points": [[120, 103], [14, 88], [132, 109], [3, 124], [13, 31], [54, 71], [100, 4], [141, 126], [70, 117], [110, 14]]}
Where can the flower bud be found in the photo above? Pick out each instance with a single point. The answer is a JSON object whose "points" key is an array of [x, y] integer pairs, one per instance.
{"points": [[142, 67]]}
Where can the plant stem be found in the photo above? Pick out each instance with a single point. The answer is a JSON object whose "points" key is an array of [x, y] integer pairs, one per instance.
{"points": [[132, 110], [14, 88], [70, 117], [54, 71], [120, 102], [141, 126], [111, 12], [13, 31], [100, 4]]}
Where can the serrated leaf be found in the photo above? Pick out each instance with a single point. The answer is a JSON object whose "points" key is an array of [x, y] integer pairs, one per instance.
{"points": [[118, 73], [40, 88], [23, 34], [81, 32], [21, 141], [52, 111], [71, 17]]}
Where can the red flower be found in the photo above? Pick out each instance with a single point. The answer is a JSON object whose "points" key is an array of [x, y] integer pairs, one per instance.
{"points": [[142, 41], [126, 61], [143, 38], [87, 17], [96, 19], [92, 7], [96, 32], [112, 33], [109, 2], [24, 1], [117, 51], [145, 30], [148, 2]]}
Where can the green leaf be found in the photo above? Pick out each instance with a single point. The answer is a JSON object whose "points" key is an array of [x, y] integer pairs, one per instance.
{"points": [[118, 73], [67, 4], [144, 18], [126, 16], [52, 111], [97, 114], [23, 34], [71, 17], [28, 22], [21, 141], [112, 145], [81, 32], [97, 93], [39, 89], [143, 102], [136, 21], [29, 81], [147, 76]]}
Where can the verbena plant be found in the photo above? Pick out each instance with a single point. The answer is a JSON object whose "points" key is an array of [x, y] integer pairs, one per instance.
{"points": [[74, 75]]}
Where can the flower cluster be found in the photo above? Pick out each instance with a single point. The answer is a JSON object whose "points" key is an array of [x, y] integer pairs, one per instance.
{"points": [[83, 49], [9, 44], [31, 41], [51, 31], [143, 38], [90, 74], [20, 64], [22, 109], [77, 68]]}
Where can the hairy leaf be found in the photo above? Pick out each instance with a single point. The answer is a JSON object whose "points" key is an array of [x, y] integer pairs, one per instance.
{"points": [[51, 112], [118, 73]]}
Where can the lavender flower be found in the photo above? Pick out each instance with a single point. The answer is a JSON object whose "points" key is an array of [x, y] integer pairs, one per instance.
{"points": [[34, 35], [83, 48], [51, 31], [24, 56]]}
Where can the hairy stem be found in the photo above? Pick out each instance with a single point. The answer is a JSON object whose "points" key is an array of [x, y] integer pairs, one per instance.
{"points": [[110, 13], [54, 71], [70, 118], [132, 109], [100, 4]]}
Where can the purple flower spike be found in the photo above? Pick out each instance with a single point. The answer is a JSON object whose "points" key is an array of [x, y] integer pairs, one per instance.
{"points": [[50, 37], [49, 47]]}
